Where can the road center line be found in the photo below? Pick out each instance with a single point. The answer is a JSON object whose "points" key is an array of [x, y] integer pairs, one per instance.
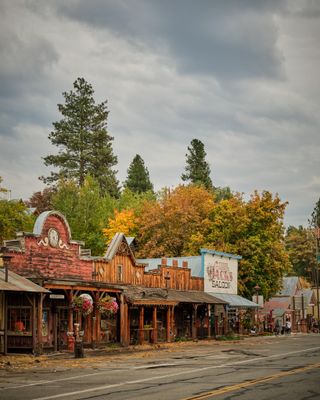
{"points": [[242, 385], [110, 386]]}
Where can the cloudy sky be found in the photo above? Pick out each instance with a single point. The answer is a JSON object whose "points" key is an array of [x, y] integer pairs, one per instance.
{"points": [[240, 75]]}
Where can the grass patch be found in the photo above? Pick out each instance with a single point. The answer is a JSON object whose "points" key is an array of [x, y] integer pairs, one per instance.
{"points": [[228, 337]]}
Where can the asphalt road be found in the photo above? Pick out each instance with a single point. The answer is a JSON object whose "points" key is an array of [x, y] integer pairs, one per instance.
{"points": [[255, 368]]}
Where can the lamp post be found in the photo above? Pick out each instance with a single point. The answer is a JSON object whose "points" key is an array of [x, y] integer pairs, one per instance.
{"points": [[257, 289]]}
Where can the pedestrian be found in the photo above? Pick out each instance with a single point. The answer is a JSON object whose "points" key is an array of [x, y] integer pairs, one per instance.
{"points": [[277, 328], [288, 326]]}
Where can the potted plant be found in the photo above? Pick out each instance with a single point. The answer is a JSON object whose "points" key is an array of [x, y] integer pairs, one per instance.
{"points": [[83, 304], [107, 306]]}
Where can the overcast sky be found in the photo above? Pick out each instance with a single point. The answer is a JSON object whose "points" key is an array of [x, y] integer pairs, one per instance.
{"points": [[240, 75]]}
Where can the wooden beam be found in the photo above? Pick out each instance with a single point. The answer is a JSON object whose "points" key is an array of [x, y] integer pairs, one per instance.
{"points": [[39, 323], [168, 325], [34, 324], [194, 322], [209, 320], [154, 325], [141, 325]]}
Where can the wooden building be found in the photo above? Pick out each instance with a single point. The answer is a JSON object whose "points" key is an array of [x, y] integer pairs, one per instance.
{"points": [[20, 312], [160, 305]]}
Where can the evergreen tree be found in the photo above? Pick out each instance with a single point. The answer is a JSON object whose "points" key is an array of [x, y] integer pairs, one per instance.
{"points": [[315, 216], [197, 169], [138, 180], [83, 141]]}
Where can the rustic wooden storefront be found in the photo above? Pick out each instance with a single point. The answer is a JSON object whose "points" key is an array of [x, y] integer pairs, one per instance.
{"points": [[20, 313], [171, 302]]}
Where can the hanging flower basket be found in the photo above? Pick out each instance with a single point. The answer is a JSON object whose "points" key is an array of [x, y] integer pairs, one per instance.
{"points": [[107, 306], [83, 304]]}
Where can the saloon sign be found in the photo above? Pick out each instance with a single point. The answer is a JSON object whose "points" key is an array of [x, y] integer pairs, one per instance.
{"points": [[220, 272]]}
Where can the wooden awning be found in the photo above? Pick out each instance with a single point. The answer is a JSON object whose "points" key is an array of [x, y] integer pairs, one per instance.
{"points": [[17, 283], [156, 296]]}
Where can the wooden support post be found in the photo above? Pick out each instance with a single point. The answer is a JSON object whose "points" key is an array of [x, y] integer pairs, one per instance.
{"points": [[34, 325], [209, 320], [172, 333], [194, 322], [141, 325], [70, 333], [225, 321], [55, 330], [39, 323], [123, 322], [97, 321], [127, 326], [154, 325], [168, 324]]}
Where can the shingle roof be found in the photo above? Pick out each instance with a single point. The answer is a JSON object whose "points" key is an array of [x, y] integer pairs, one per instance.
{"points": [[142, 295]]}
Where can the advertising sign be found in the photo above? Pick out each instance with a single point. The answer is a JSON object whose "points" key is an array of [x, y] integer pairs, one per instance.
{"points": [[220, 274]]}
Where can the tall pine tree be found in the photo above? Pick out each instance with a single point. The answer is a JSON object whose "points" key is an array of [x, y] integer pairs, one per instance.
{"points": [[84, 144], [138, 180], [315, 216], [197, 169]]}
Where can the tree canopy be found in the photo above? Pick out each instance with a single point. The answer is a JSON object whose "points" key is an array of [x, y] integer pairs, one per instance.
{"points": [[165, 227], [14, 218], [138, 179], [301, 247], [41, 201], [86, 210], [197, 169], [85, 147]]}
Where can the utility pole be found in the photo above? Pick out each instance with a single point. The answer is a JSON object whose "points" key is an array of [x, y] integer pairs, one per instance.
{"points": [[317, 234]]}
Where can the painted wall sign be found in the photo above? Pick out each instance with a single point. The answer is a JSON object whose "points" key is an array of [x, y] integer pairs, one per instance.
{"points": [[220, 274]]}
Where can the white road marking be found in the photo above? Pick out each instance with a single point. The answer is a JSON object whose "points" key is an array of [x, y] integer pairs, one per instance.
{"points": [[96, 389]]}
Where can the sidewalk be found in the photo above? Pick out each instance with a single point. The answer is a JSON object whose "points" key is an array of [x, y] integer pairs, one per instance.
{"points": [[93, 357]]}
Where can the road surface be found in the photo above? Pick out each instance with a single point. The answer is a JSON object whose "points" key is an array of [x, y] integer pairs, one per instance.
{"points": [[286, 367]]}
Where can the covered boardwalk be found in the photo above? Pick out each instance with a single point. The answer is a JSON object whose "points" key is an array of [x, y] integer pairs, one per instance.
{"points": [[157, 314]]}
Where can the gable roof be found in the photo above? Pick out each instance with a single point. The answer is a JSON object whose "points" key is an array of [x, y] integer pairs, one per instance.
{"points": [[114, 245], [289, 286]]}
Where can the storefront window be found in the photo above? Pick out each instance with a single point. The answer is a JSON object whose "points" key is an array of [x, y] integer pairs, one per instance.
{"points": [[19, 320]]}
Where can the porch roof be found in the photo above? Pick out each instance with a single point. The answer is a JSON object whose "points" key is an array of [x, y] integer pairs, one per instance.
{"points": [[194, 296], [17, 283], [234, 300], [143, 295]]}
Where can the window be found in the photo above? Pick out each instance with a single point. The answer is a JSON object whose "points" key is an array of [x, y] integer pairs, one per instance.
{"points": [[119, 273], [19, 320]]}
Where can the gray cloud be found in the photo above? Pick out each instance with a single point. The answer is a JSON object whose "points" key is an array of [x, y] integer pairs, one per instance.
{"points": [[242, 76]]}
